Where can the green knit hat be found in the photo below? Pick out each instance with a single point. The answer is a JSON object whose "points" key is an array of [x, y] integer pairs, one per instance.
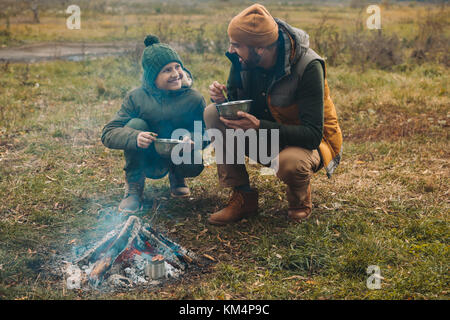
{"points": [[155, 56]]}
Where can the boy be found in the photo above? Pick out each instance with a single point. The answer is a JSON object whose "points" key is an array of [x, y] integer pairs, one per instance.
{"points": [[164, 102]]}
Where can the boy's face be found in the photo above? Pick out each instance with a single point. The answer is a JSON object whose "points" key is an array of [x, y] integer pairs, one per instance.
{"points": [[169, 78]]}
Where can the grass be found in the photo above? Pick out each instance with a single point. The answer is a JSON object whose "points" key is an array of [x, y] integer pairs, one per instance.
{"points": [[134, 21], [386, 205]]}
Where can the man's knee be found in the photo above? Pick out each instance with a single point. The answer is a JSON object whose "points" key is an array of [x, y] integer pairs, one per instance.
{"points": [[295, 163], [138, 124], [211, 116]]}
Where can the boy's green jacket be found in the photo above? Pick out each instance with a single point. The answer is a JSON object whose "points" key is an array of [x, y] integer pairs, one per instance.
{"points": [[164, 111]]}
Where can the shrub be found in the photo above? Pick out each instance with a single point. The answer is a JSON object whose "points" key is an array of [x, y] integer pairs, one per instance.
{"points": [[431, 43], [327, 41], [374, 49], [358, 3]]}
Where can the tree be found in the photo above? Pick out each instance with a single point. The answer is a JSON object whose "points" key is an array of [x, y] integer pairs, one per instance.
{"points": [[35, 8]]}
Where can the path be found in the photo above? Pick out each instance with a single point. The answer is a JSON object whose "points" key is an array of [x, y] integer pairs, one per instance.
{"points": [[64, 50]]}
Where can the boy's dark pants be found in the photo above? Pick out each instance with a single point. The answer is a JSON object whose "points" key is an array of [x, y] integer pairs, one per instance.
{"points": [[148, 163]]}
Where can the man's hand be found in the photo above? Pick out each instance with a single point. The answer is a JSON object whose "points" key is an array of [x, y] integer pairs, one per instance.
{"points": [[216, 92], [144, 139], [247, 121]]}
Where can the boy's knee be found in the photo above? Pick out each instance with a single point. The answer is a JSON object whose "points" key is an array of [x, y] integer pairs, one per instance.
{"points": [[188, 170], [194, 170], [138, 124]]}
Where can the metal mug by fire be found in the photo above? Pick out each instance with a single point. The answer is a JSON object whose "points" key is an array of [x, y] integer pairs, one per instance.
{"points": [[156, 269]]}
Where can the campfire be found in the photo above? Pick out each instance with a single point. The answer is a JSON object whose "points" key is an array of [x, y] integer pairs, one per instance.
{"points": [[131, 254]]}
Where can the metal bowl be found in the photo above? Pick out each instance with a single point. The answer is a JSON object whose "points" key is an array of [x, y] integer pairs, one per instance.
{"points": [[164, 146], [229, 110]]}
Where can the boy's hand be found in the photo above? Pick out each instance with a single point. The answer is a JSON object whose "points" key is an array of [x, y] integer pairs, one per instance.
{"points": [[216, 92], [144, 139], [188, 140]]}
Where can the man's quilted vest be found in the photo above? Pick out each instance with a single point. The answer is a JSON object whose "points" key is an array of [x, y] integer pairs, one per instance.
{"points": [[330, 148]]}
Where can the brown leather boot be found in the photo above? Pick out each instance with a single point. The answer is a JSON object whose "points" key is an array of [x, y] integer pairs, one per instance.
{"points": [[242, 204], [132, 200], [299, 210], [178, 187]]}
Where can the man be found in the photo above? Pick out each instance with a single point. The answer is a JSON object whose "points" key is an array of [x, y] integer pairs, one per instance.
{"points": [[273, 65]]}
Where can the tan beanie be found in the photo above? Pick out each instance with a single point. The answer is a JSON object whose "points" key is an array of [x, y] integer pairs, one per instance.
{"points": [[254, 27]]}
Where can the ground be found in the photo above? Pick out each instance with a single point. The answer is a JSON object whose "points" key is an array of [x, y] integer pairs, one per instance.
{"points": [[387, 204]]}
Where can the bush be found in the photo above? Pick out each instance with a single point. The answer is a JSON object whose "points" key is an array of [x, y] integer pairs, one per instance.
{"points": [[374, 49], [431, 43], [328, 42], [358, 3], [220, 39]]}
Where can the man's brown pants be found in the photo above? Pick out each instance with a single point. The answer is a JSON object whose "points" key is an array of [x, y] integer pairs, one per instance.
{"points": [[295, 166]]}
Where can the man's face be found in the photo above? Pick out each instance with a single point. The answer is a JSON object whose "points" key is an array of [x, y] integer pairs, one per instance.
{"points": [[248, 57], [169, 78]]}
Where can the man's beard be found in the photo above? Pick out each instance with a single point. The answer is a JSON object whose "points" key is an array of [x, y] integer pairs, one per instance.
{"points": [[253, 60]]}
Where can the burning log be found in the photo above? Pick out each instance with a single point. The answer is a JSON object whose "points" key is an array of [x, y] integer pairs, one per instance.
{"points": [[94, 253], [174, 247], [99, 270], [122, 242]]}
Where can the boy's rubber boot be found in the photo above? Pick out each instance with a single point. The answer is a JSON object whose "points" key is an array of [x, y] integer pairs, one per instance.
{"points": [[242, 204], [132, 200], [178, 187]]}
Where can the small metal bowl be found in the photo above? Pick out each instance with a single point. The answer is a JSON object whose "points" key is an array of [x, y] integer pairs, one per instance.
{"points": [[229, 110], [164, 146]]}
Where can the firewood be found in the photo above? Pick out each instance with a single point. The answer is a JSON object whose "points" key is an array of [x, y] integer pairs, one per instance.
{"points": [[174, 247], [99, 269], [126, 236], [94, 253], [132, 234], [209, 257]]}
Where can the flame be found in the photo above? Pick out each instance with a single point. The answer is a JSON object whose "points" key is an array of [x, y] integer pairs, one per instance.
{"points": [[130, 252]]}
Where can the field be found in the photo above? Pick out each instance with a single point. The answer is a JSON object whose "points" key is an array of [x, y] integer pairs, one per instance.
{"points": [[387, 204]]}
